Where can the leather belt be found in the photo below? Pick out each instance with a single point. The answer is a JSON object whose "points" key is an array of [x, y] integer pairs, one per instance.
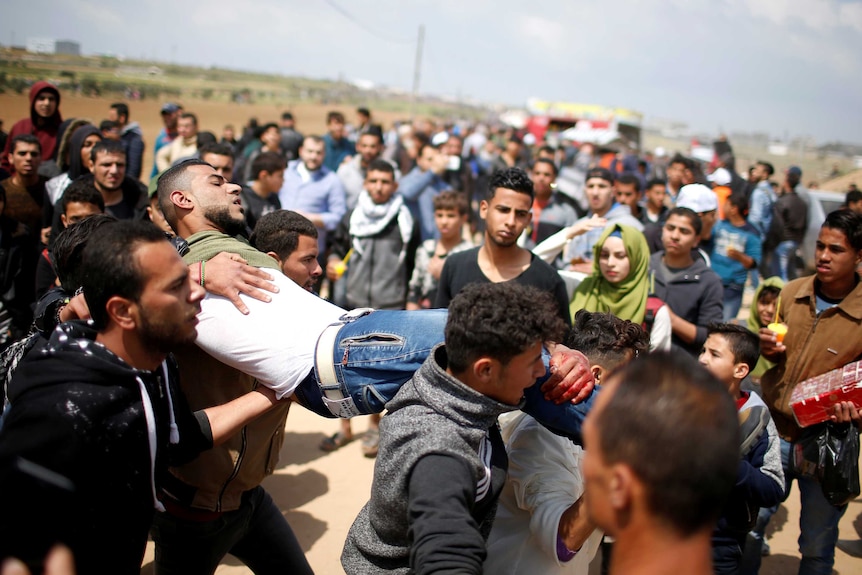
{"points": [[336, 402]]}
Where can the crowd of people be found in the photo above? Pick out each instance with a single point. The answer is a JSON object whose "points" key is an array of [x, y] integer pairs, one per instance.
{"points": [[534, 320]]}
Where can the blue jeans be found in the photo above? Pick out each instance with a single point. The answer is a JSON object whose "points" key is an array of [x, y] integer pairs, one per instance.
{"points": [[818, 521], [374, 355], [732, 300], [257, 534], [784, 253]]}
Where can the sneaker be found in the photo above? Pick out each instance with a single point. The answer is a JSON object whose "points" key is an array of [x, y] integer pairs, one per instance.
{"points": [[370, 443], [764, 549]]}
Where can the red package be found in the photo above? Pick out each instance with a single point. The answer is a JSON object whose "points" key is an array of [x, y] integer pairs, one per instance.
{"points": [[812, 399]]}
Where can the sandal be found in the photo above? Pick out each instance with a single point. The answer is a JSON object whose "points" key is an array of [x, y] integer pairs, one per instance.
{"points": [[333, 443], [370, 443]]}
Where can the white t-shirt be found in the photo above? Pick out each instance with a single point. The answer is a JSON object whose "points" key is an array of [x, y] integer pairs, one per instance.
{"points": [[275, 342], [544, 480]]}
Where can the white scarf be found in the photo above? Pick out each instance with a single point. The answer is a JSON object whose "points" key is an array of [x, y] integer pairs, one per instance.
{"points": [[369, 219]]}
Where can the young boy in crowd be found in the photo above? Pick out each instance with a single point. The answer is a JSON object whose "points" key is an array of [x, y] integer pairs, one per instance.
{"points": [[728, 353], [736, 250], [380, 237], [541, 524], [450, 215], [260, 196], [442, 462], [655, 210], [80, 200], [691, 290]]}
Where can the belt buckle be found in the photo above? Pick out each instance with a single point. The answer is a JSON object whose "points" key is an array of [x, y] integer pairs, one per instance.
{"points": [[355, 314]]}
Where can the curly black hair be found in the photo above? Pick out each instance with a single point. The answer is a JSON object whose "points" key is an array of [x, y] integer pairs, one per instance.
{"points": [[606, 339], [510, 179], [500, 321]]}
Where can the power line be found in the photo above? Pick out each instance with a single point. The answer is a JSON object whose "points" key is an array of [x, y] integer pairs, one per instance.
{"points": [[350, 17]]}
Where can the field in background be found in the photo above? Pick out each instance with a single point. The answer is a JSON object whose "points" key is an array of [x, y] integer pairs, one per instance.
{"points": [[212, 116]]}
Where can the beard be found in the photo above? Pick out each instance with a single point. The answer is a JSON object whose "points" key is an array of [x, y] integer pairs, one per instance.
{"points": [[162, 335], [221, 217]]}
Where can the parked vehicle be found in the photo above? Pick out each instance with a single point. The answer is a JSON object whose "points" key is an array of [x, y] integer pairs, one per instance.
{"points": [[819, 205]]}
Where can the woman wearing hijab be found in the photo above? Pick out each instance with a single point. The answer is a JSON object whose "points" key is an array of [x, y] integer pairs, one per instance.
{"points": [[619, 284], [80, 143]]}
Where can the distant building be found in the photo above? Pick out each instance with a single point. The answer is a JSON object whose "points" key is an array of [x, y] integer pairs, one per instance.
{"points": [[52, 46], [67, 47], [40, 45], [778, 148]]}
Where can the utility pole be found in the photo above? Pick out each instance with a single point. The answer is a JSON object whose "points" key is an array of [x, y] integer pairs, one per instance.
{"points": [[417, 70]]}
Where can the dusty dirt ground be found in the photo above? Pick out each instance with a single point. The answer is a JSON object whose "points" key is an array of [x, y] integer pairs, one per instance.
{"points": [[212, 116], [321, 493]]}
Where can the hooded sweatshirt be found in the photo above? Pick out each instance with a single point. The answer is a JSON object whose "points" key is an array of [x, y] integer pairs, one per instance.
{"points": [[694, 293], [80, 411], [45, 129], [57, 185], [436, 522], [754, 324]]}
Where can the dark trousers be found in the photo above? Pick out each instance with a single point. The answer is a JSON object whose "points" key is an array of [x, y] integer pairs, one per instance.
{"points": [[726, 558], [257, 534]]}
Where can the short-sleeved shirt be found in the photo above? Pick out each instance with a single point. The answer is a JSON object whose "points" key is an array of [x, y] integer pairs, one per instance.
{"points": [[463, 268]]}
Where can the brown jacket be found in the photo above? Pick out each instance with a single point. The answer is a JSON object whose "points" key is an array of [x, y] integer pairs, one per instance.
{"points": [[814, 344], [216, 480]]}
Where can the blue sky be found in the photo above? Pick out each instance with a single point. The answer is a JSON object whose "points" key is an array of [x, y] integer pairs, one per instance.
{"points": [[787, 67]]}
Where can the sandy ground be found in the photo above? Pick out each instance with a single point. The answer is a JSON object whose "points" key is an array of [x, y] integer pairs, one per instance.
{"points": [[321, 493]]}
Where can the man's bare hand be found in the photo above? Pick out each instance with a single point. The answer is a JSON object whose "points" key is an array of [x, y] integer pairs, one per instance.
{"points": [[770, 347], [229, 275], [335, 269], [435, 267], [439, 163], [846, 412], [584, 226], [736, 255], [571, 378], [75, 309]]}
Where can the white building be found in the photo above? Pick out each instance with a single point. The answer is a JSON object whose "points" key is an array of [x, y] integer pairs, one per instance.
{"points": [[41, 45]]}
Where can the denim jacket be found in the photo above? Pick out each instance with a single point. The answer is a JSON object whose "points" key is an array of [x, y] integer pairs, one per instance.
{"points": [[760, 212]]}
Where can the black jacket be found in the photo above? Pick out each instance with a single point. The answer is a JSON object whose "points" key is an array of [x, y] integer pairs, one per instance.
{"points": [[81, 412], [789, 220]]}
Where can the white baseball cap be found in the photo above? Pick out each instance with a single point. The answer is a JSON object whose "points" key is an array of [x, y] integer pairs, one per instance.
{"points": [[720, 177], [698, 198]]}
